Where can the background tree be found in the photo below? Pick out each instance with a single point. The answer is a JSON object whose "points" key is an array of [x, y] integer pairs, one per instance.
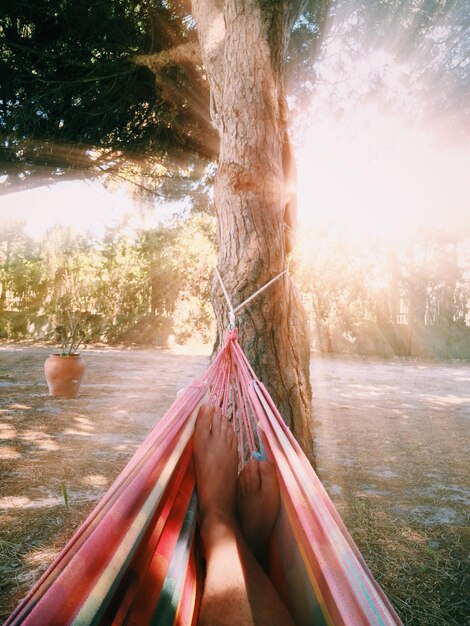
{"points": [[21, 279]]}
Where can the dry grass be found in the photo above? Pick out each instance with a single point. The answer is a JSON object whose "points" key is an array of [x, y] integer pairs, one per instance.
{"points": [[424, 570], [29, 544]]}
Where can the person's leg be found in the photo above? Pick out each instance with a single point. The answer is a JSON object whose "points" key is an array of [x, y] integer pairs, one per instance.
{"points": [[236, 591]]}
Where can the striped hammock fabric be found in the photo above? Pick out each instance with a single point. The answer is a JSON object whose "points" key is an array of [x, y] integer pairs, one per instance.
{"points": [[136, 561]]}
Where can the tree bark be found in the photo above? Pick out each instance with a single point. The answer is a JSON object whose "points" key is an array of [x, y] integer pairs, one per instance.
{"points": [[243, 45]]}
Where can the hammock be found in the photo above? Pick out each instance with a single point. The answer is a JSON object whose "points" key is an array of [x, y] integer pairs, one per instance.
{"points": [[135, 560]]}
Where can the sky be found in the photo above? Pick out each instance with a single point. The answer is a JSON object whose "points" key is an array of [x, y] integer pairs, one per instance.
{"points": [[85, 206]]}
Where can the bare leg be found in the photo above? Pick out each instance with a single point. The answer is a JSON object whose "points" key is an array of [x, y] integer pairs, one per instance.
{"points": [[237, 591]]}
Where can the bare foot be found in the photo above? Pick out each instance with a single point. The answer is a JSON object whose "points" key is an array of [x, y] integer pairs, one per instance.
{"points": [[216, 462], [258, 504]]}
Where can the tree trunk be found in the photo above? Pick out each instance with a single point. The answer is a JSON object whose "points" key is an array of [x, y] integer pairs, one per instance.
{"points": [[243, 47]]}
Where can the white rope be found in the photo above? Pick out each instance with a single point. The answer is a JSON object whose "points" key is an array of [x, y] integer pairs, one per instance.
{"points": [[259, 291], [232, 311]]}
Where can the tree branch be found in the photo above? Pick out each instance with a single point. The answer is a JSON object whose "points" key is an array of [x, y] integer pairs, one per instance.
{"points": [[210, 23], [184, 54]]}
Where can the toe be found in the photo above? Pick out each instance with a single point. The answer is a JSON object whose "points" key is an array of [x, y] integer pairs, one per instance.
{"points": [[243, 480], [224, 425], [240, 490], [231, 437], [217, 422], [270, 483], [268, 475], [204, 420], [254, 475]]}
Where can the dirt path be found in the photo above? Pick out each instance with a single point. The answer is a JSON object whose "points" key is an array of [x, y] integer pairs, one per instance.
{"points": [[392, 440]]}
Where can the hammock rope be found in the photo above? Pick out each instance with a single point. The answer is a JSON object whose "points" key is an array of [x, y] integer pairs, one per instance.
{"points": [[232, 311], [135, 561]]}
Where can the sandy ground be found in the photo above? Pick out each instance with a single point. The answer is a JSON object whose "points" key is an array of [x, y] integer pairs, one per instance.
{"points": [[404, 427], [392, 443]]}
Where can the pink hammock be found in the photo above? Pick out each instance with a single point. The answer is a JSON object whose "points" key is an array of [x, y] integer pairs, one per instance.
{"points": [[135, 560]]}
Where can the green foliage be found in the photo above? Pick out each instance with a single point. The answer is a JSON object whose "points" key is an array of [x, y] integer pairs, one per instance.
{"points": [[379, 298], [71, 334], [138, 287], [364, 297], [193, 314], [333, 280], [72, 97], [20, 270]]}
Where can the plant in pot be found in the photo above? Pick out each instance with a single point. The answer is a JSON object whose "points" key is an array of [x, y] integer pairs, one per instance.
{"points": [[64, 370]]}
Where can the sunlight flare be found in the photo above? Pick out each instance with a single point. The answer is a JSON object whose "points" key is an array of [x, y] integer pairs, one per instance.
{"points": [[372, 173]]}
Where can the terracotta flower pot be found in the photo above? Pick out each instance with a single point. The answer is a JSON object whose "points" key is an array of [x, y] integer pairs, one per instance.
{"points": [[64, 375]]}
